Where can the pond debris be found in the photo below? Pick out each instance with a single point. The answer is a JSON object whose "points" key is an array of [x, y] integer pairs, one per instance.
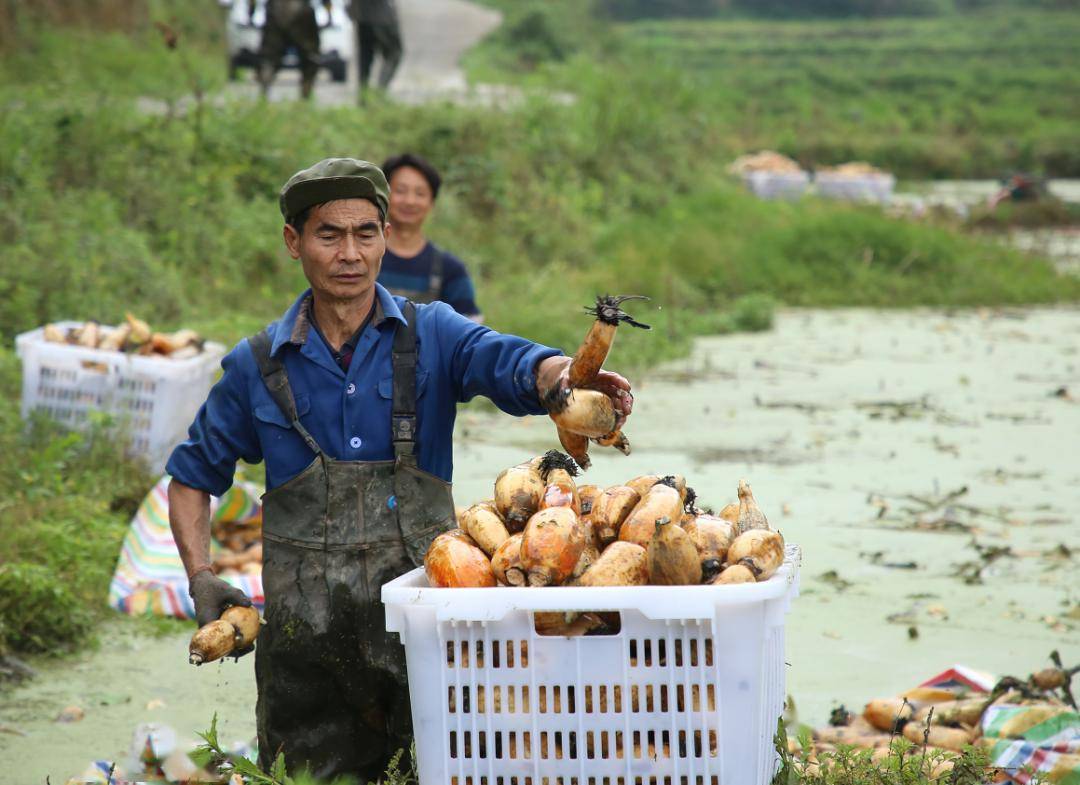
{"points": [[1001, 476], [799, 406], [943, 447], [840, 716], [71, 714], [877, 558], [1019, 418], [909, 616], [1049, 684], [918, 409], [15, 670], [938, 512], [832, 577], [1059, 554], [906, 616], [768, 365], [973, 572], [1064, 394]]}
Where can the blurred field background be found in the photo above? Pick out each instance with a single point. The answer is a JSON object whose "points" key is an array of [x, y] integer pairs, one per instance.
{"points": [[130, 181]]}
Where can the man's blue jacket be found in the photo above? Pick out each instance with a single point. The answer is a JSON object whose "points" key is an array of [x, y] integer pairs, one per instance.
{"points": [[349, 413]]}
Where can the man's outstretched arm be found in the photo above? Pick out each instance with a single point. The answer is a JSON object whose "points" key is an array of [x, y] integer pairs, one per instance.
{"points": [[189, 519]]}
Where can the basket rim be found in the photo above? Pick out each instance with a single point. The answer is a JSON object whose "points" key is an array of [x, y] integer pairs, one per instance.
{"points": [[27, 341], [673, 602]]}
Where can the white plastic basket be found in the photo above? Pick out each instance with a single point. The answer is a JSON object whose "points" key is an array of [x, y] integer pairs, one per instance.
{"points": [[155, 398], [777, 185], [687, 693], [857, 188]]}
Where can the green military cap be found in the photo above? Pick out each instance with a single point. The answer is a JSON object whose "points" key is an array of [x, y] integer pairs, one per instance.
{"points": [[334, 178]]}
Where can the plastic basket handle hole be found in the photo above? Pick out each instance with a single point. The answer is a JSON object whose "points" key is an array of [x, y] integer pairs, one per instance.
{"points": [[571, 624]]}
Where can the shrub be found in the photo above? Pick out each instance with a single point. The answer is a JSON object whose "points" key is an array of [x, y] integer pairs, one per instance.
{"points": [[38, 614]]}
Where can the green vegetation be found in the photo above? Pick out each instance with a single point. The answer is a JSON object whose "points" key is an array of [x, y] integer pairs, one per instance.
{"points": [[904, 764], [401, 769], [972, 95], [65, 501], [808, 9], [129, 185], [1027, 215]]}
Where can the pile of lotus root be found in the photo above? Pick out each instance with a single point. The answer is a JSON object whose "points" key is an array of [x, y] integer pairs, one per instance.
{"points": [[543, 529], [134, 336], [764, 161], [852, 169], [939, 720], [242, 551]]}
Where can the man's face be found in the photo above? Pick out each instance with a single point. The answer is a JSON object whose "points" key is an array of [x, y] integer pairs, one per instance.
{"points": [[410, 197], [341, 248]]}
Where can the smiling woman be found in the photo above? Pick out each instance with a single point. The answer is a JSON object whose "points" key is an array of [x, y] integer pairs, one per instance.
{"points": [[413, 266]]}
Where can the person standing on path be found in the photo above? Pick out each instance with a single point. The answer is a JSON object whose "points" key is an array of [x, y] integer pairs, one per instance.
{"points": [[414, 267], [350, 400], [289, 23], [378, 32]]}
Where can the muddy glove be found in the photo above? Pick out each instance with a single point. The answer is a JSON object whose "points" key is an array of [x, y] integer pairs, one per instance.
{"points": [[212, 596]]}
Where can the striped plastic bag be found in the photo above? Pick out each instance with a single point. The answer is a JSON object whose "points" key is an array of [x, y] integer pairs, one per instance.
{"points": [[1041, 738], [150, 579]]}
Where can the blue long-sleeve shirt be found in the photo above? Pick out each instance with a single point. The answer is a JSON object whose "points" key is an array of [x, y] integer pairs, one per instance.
{"points": [[348, 413]]}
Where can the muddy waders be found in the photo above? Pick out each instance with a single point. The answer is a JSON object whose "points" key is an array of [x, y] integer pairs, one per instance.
{"points": [[289, 23], [378, 32], [332, 687]]}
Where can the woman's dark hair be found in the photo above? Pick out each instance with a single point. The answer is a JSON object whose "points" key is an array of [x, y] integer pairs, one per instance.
{"points": [[430, 173]]}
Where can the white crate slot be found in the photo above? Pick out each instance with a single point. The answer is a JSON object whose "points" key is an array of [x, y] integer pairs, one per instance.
{"points": [[688, 692], [855, 188], [777, 185], [153, 398]]}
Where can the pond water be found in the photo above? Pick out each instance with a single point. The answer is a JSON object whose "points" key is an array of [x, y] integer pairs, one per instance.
{"points": [[850, 425]]}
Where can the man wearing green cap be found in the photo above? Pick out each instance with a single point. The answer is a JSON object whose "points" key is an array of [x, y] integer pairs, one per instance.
{"points": [[350, 400]]}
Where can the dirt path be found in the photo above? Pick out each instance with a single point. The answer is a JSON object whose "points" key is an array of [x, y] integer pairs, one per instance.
{"points": [[836, 417], [435, 33]]}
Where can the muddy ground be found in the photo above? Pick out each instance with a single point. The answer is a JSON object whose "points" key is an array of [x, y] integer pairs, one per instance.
{"points": [[851, 425]]}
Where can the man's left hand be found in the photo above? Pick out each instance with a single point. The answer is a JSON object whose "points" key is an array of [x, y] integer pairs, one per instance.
{"points": [[553, 379]]}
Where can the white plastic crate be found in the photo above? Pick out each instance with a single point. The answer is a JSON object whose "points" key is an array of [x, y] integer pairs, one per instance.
{"points": [[155, 398], [859, 188], [777, 185], [687, 693]]}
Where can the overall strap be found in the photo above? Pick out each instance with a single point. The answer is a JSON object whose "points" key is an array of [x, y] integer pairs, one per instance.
{"points": [[403, 421], [276, 380], [435, 279]]}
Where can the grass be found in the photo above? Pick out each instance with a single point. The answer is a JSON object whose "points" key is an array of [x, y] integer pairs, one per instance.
{"points": [[963, 96], [904, 764], [65, 501], [1047, 212], [171, 213]]}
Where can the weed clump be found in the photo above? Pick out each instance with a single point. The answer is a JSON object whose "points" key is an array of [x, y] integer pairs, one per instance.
{"points": [[38, 614], [67, 499]]}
